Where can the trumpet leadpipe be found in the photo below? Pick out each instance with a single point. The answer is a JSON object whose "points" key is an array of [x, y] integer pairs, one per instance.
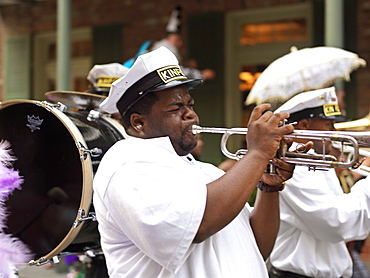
{"points": [[199, 129]]}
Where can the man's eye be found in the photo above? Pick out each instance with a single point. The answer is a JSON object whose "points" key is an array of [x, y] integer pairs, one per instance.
{"points": [[174, 109]]}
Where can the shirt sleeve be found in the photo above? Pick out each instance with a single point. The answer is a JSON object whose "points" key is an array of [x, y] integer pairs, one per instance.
{"points": [[159, 207], [316, 205]]}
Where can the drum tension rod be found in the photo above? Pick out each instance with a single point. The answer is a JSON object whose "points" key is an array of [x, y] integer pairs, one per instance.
{"points": [[81, 217], [49, 106], [43, 261], [94, 152]]}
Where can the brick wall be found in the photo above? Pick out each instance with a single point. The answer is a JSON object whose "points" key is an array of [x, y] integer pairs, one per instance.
{"points": [[142, 19], [363, 49]]}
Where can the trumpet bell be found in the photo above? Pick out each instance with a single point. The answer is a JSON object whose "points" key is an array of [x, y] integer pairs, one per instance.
{"points": [[356, 125]]}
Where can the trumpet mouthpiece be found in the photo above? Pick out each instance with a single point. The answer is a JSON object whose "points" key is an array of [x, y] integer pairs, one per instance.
{"points": [[195, 129]]}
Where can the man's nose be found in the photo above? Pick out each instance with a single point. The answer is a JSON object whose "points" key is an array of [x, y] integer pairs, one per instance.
{"points": [[189, 113]]}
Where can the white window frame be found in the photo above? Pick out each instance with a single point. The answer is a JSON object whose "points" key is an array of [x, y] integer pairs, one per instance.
{"points": [[45, 69]]}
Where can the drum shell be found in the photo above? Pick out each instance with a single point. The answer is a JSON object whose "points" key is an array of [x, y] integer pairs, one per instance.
{"points": [[45, 142]]}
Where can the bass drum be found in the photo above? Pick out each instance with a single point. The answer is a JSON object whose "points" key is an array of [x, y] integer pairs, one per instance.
{"points": [[57, 154]]}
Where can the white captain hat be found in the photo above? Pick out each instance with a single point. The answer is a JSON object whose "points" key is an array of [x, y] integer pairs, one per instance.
{"points": [[154, 71], [318, 103], [102, 76]]}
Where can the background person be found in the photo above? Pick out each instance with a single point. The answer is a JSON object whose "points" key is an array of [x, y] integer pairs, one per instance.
{"points": [[174, 42], [161, 213], [317, 218], [102, 76]]}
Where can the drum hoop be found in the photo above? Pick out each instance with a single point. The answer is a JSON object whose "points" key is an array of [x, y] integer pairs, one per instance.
{"points": [[116, 125], [87, 173]]}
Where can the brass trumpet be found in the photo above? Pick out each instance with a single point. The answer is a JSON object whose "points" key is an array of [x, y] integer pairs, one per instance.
{"points": [[362, 124], [313, 161]]}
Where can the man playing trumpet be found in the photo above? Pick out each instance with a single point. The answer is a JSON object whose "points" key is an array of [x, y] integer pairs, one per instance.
{"points": [[317, 218], [161, 213]]}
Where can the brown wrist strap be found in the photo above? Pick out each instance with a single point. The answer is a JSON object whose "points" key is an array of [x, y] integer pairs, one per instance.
{"points": [[270, 188]]}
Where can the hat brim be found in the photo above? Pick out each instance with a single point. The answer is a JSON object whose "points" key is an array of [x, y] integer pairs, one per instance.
{"points": [[337, 118], [134, 98]]}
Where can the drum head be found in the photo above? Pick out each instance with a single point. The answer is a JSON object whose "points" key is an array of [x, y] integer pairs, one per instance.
{"points": [[80, 100], [42, 212]]}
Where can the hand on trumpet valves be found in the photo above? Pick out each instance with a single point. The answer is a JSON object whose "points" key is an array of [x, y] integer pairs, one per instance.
{"points": [[284, 171], [265, 131]]}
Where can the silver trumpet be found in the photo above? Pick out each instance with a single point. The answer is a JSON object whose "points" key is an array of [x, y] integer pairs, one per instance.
{"points": [[314, 161]]}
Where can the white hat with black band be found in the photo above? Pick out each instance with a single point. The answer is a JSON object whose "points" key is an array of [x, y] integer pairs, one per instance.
{"points": [[321, 103], [102, 76], [153, 71]]}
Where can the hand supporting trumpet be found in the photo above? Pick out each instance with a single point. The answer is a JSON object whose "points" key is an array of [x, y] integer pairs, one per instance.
{"points": [[284, 170], [266, 140]]}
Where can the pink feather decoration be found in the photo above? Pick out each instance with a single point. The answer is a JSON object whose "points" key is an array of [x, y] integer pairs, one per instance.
{"points": [[12, 250]]}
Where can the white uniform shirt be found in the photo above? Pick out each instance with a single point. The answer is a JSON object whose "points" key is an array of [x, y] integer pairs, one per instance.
{"points": [[317, 218], [149, 204]]}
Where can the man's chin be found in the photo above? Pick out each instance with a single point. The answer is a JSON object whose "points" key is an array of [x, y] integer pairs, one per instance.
{"points": [[189, 147]]}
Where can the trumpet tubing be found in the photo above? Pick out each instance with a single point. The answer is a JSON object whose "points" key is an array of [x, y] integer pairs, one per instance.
{"points": [[313, 161]]}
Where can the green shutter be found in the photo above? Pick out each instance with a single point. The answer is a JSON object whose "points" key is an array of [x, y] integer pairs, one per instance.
{"points": [[107, 44], [206, 46], [17, 67], [350, 43]]}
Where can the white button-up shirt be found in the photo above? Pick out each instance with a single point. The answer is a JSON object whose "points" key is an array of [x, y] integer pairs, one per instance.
{"points": [[317, 218], [149, 204]]}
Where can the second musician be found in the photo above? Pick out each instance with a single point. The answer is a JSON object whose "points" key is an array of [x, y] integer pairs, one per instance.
{"points": [[317, 218]]}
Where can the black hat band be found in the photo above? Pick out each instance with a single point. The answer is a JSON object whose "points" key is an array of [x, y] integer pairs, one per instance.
{"points": [[325, 111]]}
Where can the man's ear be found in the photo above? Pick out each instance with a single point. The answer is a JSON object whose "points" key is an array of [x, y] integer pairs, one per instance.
{"points": [[303, 124], [136, 121]]}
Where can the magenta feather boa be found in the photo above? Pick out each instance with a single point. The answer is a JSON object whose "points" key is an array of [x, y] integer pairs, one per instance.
{"points": [[12, 250]]}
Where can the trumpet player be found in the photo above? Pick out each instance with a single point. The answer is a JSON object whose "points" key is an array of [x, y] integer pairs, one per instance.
{"points": [[161, 213], [317, 218]]}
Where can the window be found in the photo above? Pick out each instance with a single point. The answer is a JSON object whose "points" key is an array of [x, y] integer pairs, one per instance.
{"points": [[277, 31]]}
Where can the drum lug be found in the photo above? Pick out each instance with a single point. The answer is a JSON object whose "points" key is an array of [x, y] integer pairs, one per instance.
{"points": [[93, 115], [93, 252], [42, 261], [81, 217], [94, 152], [61, 107]]}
